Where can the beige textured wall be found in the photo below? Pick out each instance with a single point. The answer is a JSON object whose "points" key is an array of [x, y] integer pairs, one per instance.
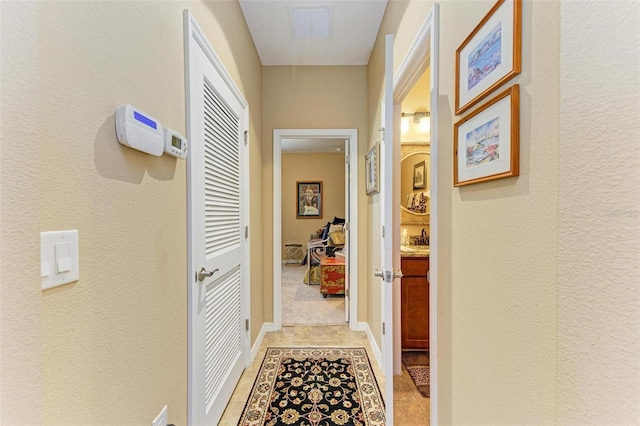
{"points": [[599, 256], [311, 98], [498, 240], [504, 242], [112, 347], [328, 168], [20, 297]]}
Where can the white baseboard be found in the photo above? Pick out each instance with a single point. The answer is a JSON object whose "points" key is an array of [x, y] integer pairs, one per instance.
{"points": [[364, 326], [267, 326]]}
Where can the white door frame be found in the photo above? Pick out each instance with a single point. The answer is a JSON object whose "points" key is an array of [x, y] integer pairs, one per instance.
{"points": [[192, 32], [352, 136], [389, 205], [422, 54]]}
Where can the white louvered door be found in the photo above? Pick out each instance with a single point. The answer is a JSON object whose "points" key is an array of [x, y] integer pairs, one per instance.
{"points": [[217, 183]]}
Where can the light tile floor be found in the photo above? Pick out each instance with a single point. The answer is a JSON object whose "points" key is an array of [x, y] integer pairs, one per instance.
{"points": [[410, 408], [303, 304]]}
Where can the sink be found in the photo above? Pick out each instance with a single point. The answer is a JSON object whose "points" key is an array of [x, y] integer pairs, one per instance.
{"points": [[423, 250]]}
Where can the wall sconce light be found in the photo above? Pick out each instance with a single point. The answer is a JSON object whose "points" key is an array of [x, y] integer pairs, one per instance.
{"points": [[422, 119], [404, 123]]}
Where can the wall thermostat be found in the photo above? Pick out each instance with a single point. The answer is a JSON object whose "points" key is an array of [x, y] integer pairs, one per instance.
{"points": [[175, 144], [139, 130]]}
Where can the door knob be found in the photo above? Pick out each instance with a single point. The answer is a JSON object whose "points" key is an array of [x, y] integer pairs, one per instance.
{"points": [[203, 273], [388, 275]]}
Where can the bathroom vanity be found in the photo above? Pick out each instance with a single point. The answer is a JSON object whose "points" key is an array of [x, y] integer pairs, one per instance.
{"points": [[415, 300], [414, 251]]}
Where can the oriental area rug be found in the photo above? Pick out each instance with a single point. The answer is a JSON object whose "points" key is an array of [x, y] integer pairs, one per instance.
{"points": [[417, 364], [316, 387]]}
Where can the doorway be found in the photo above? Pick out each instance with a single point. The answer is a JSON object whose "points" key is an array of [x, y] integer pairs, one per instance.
{"points": [[349, 138], [422, 55], [313, 212]]}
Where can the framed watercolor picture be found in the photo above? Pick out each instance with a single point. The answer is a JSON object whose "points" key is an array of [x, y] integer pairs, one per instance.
{"points": [[372, 179], [491, 54], [486, 143], [419, 178], [309, 200]]}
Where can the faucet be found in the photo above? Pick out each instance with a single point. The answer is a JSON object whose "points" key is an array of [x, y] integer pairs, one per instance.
{"points": [[420, 240]]}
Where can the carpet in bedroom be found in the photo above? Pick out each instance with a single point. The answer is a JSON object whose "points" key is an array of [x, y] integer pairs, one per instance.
{"points": [[303, 304]]}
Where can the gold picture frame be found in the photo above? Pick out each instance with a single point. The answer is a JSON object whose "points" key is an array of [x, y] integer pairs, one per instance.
{"points": [[309, 200], [490, 56], [486, 143], [372, 178]]}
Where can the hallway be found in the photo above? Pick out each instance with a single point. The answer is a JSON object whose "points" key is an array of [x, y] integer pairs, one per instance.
{"points": [[410, 408]]}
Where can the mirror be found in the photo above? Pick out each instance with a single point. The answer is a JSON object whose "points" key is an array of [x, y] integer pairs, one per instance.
{"points": [[414, 183]]}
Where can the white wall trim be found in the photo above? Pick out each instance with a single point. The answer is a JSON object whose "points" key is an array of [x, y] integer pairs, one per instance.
{"points": [[202, 41], [422, 54], [433, 223], [246, 221], [266, 327], [278, 135], [377, 354]]}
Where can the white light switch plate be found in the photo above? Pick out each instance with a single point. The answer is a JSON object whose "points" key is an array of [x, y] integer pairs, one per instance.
{"points": [[162, 418], [59, 252]]}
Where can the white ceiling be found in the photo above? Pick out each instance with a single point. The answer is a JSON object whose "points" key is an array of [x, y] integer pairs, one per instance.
{"points": [[313, 145], [355, 25]]}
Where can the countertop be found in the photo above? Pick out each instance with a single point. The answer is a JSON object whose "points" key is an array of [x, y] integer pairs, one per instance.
{"points": [[414, 251]]}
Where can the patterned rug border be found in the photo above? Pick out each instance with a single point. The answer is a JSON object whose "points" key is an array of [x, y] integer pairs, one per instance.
{"points": [[322, 348]]}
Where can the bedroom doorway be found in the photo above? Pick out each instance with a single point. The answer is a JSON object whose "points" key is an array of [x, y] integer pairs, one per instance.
{"points": [[293, 298]]}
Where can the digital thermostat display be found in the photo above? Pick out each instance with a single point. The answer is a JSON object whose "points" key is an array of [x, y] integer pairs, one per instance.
{"points": [[175, 144]]}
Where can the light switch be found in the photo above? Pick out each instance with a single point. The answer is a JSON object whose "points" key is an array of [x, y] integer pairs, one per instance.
{"points": [[59, 263], [63, 261]]}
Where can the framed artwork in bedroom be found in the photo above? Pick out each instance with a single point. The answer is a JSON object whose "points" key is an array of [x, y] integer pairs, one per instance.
{"points": [[309, 200]]}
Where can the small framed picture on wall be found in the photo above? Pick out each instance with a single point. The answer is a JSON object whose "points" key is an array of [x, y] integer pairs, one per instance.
{"points": [[491, 54], [309, 200], [371, 171], [419, 181], [487, 141]]}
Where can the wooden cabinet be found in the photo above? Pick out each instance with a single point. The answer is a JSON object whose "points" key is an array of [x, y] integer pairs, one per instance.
{"points": [[331, 275], [415, 303]]}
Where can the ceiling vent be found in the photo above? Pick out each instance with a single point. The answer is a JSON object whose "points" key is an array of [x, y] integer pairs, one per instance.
{"points": [[310, 22]]}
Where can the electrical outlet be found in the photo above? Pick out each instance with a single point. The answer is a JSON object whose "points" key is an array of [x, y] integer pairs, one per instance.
{"points": [[161, 420]]}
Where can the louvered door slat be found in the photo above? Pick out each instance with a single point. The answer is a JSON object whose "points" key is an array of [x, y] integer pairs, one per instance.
{"points": [[215, 104], [223, 334], [222, 177], [221, 132]]}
